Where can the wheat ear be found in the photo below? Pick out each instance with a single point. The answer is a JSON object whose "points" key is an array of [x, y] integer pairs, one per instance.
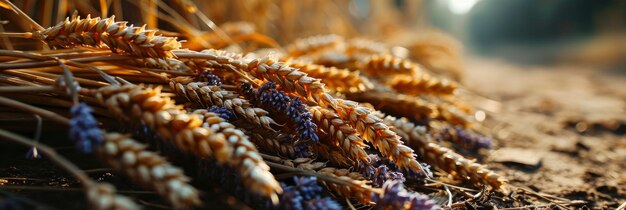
{"points": [[421, 84], [275, 145], [159, 113], [117, 36], [207, 96], [101, 196], [358, 188], [339, 80], [385, 65], [252, 165], [313, 44], [344, 135], [380, 135], [445, 158], [414, 108], [148, 168]]}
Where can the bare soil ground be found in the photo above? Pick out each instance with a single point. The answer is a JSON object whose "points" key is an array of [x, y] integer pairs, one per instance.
{"points": [[560, 130]]}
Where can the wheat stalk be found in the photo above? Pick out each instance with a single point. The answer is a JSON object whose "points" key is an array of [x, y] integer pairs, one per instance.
{"points": [[445, 158], [149, 169], [146, 105], [117, 36], [170, 64], [342, 134], [207, 96]]}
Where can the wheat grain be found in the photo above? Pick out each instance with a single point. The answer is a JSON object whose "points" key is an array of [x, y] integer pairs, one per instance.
{"points": [[148, 106], [117, 36], [148, 169], [445, 158]]}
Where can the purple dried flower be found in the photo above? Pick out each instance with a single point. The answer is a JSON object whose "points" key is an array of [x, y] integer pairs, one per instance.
{"points": [[378, 162], [396, 197], [211, 79], [33, 154], [305, 194], [224, 113], [84, 128], [321, 203], [382, 174], [269, 97], [464, 138], [301, 150]]}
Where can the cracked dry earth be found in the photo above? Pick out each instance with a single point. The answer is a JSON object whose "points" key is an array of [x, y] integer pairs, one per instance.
{"points": [[560, 130]]}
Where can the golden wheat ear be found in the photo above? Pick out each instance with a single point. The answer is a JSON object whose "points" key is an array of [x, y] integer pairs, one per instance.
{"points": [[190, 132], [341, 133], [444, 158], [149, 169], [117, 36], [338, 80]]}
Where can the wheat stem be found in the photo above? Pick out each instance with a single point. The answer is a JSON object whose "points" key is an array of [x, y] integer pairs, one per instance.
{"points": [[24, 15], [39, 89], [31, 109]]}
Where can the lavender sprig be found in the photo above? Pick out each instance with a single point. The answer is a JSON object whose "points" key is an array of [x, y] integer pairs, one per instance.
{"points": [[392, 168], [396, 197], [267, 95], [211, 79], [84, 129], [305, 195], [224, 113], [466, 139], [383, 174]]}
